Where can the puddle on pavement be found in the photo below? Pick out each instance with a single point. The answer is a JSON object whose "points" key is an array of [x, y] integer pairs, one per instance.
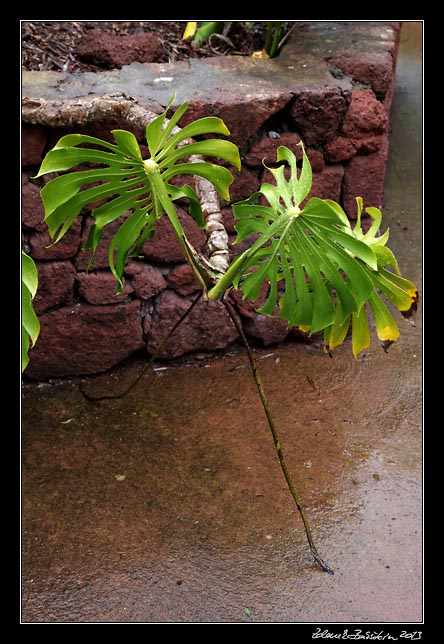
{"points": [[169, 504]]}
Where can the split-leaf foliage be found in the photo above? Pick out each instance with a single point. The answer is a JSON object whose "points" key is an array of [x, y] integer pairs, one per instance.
{"points": [[319, 273]]}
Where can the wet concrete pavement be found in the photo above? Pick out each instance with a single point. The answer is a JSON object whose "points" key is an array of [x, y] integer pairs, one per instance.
{"points": [[168, 506]]}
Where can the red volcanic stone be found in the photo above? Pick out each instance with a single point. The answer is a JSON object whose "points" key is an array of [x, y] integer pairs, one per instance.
{"points": [[208, 327], [374, 68], [33, 213], [342, 148], [245, 307], [56, 285], [228, 219], [34, 139], [364, 177], [339, 148], [267, 329], [181, 279], [370, 144], [316, 159], [85, 339], [145, 280], [164, 246], [317, 113], [362, 131], [65, 248], [111, 51], [243, 117], [365, 114], [101, 255], [101, 288], [328, 183], [265, 148]]}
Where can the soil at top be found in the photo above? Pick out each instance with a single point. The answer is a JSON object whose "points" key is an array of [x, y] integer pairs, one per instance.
{"points": [[56, 45]]}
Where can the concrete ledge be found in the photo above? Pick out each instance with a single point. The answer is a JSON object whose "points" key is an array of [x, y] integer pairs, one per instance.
{"points": [[332, 86]]}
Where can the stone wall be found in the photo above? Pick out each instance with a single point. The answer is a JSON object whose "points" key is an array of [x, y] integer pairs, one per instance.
{"points": [[332, 86]]}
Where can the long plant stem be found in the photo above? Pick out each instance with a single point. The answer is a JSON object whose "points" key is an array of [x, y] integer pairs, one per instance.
{"points": [[151, 360], [277, 444]]}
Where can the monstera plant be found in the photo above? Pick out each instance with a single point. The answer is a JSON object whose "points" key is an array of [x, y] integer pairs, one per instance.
{"points": [[321, 274]]}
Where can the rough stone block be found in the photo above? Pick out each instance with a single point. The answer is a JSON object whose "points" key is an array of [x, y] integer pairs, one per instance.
{"points": [[85, 339], [101, 256], [164, 246], [247, 308], [145, 280], [265, 148], [100, 288], [110, 51], [370, 68], [56, 285], [316, 159], [328, 183], [318, 113], [33, 213], [34, 140], [363, 51], [207, 328], [339, 148], [181, 279], [228, 219], [243, 117], [66, 248], [267, 329], [342, 148], [365, 114], [245, 183], [364, 177]]}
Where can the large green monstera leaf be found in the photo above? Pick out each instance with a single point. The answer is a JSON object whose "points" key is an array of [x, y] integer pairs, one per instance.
{"points": [[321, 273], [137, 190]]}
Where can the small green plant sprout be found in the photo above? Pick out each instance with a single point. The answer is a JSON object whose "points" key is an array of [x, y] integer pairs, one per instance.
{"points": [[206, 30], [322, 275], [272, 39], [202, 33]]}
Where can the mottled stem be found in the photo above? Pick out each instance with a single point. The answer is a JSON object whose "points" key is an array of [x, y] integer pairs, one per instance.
{"points": [[84, 110], [217, 236]]}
